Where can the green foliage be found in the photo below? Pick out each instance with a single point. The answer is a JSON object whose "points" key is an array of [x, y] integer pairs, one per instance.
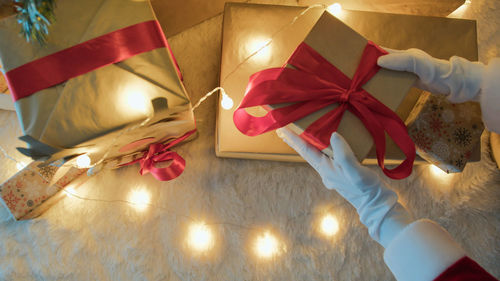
{"points": [[35, 16]]}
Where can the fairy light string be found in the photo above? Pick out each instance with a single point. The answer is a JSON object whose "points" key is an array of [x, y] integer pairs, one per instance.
{"points": [[267, 238], [266, 243]]}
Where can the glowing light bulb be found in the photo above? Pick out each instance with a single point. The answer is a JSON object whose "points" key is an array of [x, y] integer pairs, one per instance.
{"points": [[226, 102], [334, 9], [436, 171], [200, 237], [70, 191], [329, 225], [139, 198], [259, 49], [20, 165], [135, 101], [83, 161], [440, 175], [266, 245]]}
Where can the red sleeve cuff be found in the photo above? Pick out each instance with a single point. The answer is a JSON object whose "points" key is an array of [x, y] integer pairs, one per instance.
{"points": [[465, 269]]}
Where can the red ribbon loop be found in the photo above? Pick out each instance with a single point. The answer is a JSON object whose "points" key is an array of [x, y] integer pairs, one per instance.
{"points": [[158, 153], [315, 83]]}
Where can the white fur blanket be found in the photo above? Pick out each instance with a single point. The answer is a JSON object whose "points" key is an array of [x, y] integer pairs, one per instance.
{"points": [[106, 239]]}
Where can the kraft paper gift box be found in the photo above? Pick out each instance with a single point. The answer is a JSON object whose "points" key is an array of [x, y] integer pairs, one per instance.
{"points": [[112, 112], [332, 83], [34, 189], [246, 26]]}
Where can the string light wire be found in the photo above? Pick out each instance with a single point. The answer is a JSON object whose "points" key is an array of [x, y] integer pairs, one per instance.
{"points": [[207, 95], [263, 46], [192, 219], [292, 22]]}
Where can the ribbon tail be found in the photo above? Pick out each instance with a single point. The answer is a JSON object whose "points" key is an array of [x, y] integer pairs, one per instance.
{"points": [[377, 124], [401, 138]]}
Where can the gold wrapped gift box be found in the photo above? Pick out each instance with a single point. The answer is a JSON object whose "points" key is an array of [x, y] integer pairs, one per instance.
{"points": [[111, 114], [102, 113]]}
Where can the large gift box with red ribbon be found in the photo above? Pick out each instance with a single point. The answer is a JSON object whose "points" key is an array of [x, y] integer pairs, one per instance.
{"points": [[105, 85], [267, 36], [104, 91]]}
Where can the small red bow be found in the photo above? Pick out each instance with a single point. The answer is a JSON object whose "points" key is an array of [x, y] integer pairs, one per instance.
{"points": [[158, 153]]}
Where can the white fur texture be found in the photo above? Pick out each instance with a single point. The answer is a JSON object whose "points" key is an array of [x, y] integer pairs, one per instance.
{"points": [[95, 240]]}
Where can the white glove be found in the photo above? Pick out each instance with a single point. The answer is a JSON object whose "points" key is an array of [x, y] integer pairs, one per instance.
{"points": [[457, 78], [377, 206]]}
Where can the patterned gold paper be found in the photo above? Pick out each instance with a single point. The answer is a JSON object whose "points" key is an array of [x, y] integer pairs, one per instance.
{"points": [[445, 134], [27, 193]]}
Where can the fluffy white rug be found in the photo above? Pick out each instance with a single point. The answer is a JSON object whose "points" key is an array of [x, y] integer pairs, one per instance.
{"points": [[106, 239]]}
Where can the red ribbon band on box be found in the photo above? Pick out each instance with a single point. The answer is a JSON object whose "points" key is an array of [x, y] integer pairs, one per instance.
{"points": [[85, 57], [314, 84], [158, 153]]}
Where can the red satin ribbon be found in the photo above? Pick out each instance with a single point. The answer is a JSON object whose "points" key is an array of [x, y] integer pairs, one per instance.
{"points": [[315, 84], [158, 153], [85, 57]]}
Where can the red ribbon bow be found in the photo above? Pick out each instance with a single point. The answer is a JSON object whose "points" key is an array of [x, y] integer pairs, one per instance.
{"points": [[158, 153], [314, 84]]}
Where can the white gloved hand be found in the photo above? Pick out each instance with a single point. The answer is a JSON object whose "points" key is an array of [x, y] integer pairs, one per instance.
{"points": [[457, 78], [377, 206]]}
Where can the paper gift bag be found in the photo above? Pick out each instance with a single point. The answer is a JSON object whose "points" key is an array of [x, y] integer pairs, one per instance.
{"points": [[332, 83], [105, 84]]}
